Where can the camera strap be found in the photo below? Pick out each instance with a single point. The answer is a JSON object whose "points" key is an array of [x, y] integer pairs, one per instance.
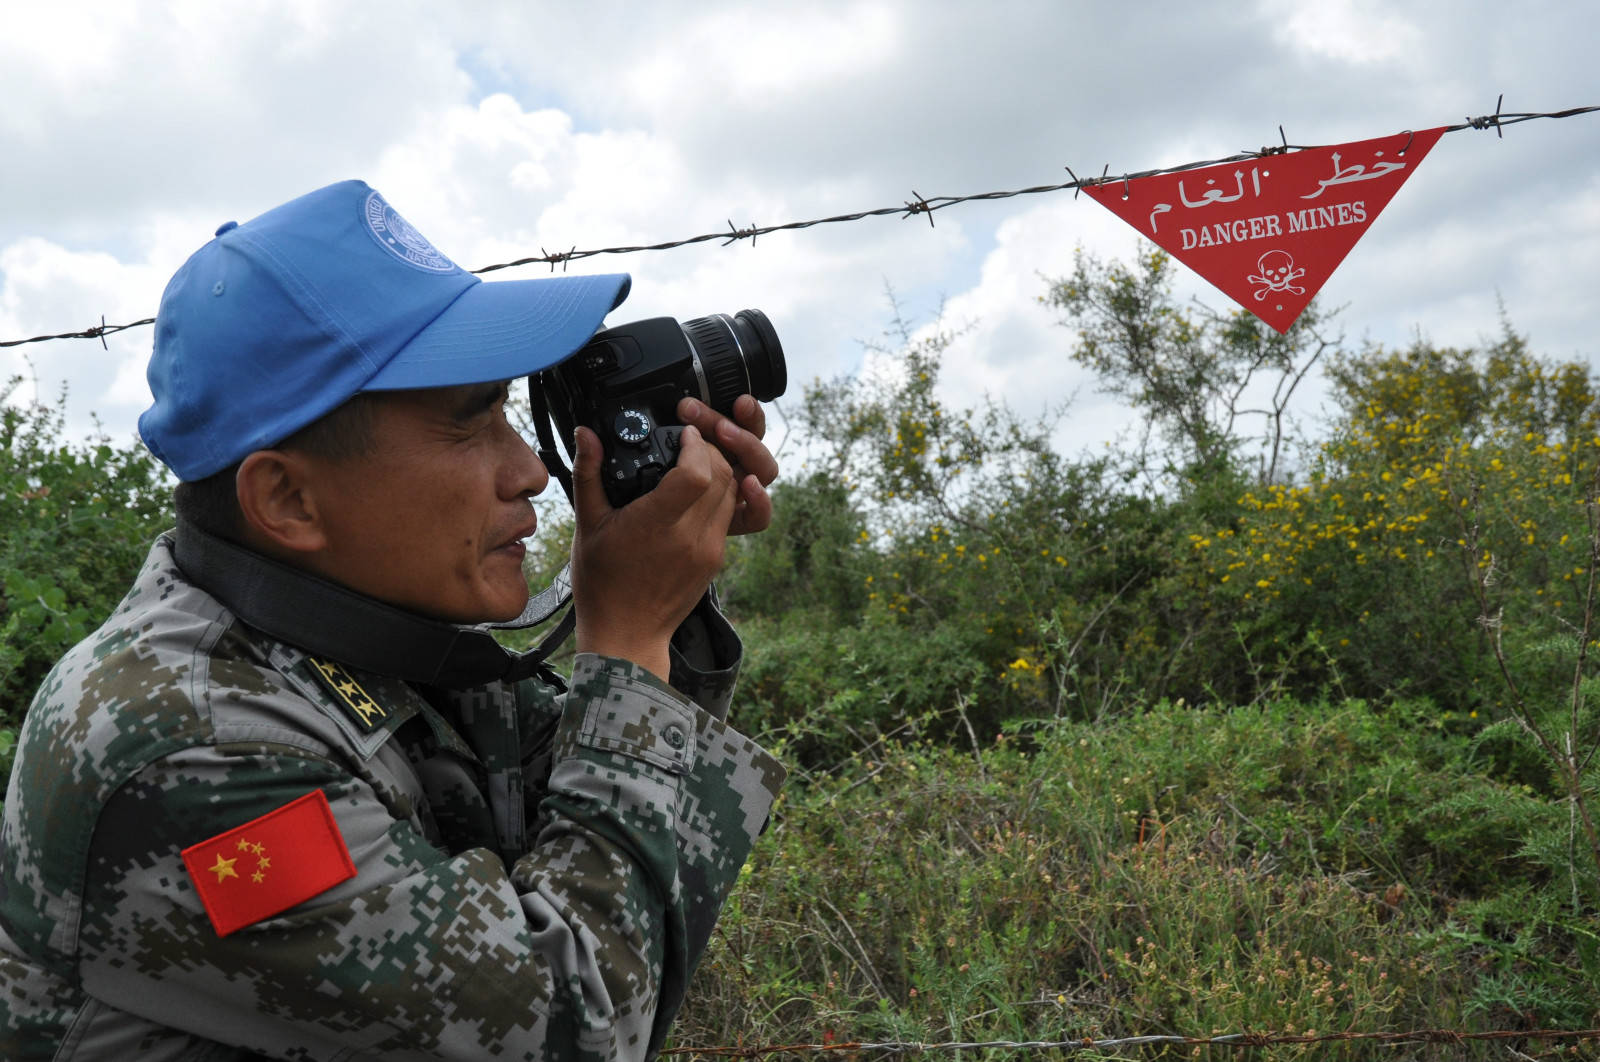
{"points": [[329, 620], [539, 411]]}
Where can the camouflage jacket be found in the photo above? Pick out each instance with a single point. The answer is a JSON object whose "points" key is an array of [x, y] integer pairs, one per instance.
{"points": [[535, 875]]}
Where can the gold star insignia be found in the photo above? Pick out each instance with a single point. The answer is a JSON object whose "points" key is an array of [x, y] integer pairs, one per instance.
{"points": [[244, 845], [224, 868], [265, 862], [367, 709], [258, 877], [349, 692]]}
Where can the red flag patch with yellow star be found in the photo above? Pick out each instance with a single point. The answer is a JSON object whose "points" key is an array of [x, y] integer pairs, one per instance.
{"points": [[269, 864]]}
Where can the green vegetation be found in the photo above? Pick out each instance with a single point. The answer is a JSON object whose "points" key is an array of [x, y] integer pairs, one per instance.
{"points": [[1233, 729], [1284, 867], [1163, 740], [76, 520]]}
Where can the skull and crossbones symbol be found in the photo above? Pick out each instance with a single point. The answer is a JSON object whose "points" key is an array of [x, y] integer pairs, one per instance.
{"points": [[1277, 273]]}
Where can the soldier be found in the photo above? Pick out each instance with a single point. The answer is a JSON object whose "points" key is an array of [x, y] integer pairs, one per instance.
{"points": [[289, 802]]}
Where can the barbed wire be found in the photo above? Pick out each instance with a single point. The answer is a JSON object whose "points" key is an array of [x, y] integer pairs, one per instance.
{"points": [[917, 205], [1240, 1040], [99, 332]]}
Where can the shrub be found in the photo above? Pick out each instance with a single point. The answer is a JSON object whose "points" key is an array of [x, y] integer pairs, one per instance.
{"points": [[79, 518]]}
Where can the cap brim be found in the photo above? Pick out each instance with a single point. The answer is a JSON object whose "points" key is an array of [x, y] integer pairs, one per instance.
{"points": [[503, 329]]}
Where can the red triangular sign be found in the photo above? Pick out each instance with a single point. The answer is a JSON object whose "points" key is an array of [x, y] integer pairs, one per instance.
{"points": [[1269, 232]]}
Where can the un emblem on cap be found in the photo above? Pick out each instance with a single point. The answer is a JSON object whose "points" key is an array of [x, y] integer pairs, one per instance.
{"points": [[395, 234]]}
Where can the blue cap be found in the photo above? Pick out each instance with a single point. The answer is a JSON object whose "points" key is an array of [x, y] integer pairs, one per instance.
{"points": [[278, 321]]}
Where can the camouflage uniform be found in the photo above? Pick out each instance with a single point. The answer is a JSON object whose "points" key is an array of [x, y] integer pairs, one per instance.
{"points": [[536, 875]]}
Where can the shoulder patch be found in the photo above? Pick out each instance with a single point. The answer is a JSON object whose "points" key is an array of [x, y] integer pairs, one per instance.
{"points": [[269, 864]]}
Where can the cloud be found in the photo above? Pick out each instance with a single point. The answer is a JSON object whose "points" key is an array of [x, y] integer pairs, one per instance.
{"points": [[1010, 345], [1358, 32], [46, 285], [760, 56], [136, 106], [494, 182]]}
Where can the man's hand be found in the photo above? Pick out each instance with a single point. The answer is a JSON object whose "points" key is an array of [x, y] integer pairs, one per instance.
{"points": [[638, 571], [754, 467]]}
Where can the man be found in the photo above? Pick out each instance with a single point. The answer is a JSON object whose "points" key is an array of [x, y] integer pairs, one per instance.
{"points": [[288, 802]]}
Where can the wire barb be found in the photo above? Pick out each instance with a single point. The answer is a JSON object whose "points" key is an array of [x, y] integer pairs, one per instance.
{"points": [[736, 234], [1489, 121], [919, 205], [1267, 152]]}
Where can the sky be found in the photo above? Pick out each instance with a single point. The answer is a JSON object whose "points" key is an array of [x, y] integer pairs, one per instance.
{"points": [[499, 127]]}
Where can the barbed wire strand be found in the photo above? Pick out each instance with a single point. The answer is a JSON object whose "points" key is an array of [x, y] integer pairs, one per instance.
{"points": [[918, 205], [1232, 1040]]}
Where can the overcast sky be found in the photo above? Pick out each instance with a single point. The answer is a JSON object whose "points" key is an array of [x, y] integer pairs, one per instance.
{"points": [[133, 128]]}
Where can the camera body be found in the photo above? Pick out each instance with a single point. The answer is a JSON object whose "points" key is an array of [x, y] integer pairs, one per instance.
{"points": [[625, 384]]}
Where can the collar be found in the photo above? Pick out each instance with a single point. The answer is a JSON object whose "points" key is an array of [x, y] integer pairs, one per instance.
{"points": [[329, 620]]}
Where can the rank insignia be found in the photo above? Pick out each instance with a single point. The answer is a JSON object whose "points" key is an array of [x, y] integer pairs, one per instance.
{"points": [[367, 713]]}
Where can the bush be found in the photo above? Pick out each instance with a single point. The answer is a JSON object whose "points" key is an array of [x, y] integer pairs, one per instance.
{"points": [[1444, 464], [1058, 587], [79, 519]]}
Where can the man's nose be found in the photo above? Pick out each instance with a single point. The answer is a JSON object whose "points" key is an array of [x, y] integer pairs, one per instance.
{"points": [[522, 473]]}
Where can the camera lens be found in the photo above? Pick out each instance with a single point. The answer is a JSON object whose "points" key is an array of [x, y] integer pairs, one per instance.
{"points": [[738, 355], [763, 354]]}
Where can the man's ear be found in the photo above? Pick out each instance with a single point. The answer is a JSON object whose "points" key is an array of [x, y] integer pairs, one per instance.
{"points": [[277, 502]]}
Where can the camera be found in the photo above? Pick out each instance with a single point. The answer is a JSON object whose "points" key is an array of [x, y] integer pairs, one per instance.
{"points": [[625, 384]]}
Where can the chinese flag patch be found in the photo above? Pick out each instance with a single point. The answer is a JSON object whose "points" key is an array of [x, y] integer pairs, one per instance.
{"points": [[269, 864]]}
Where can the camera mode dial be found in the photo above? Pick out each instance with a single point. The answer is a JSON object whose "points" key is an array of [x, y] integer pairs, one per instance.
{"points": [[632, 426]]}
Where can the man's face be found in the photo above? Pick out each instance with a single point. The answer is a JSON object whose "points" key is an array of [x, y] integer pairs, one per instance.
{"points": [[432, 518]]}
